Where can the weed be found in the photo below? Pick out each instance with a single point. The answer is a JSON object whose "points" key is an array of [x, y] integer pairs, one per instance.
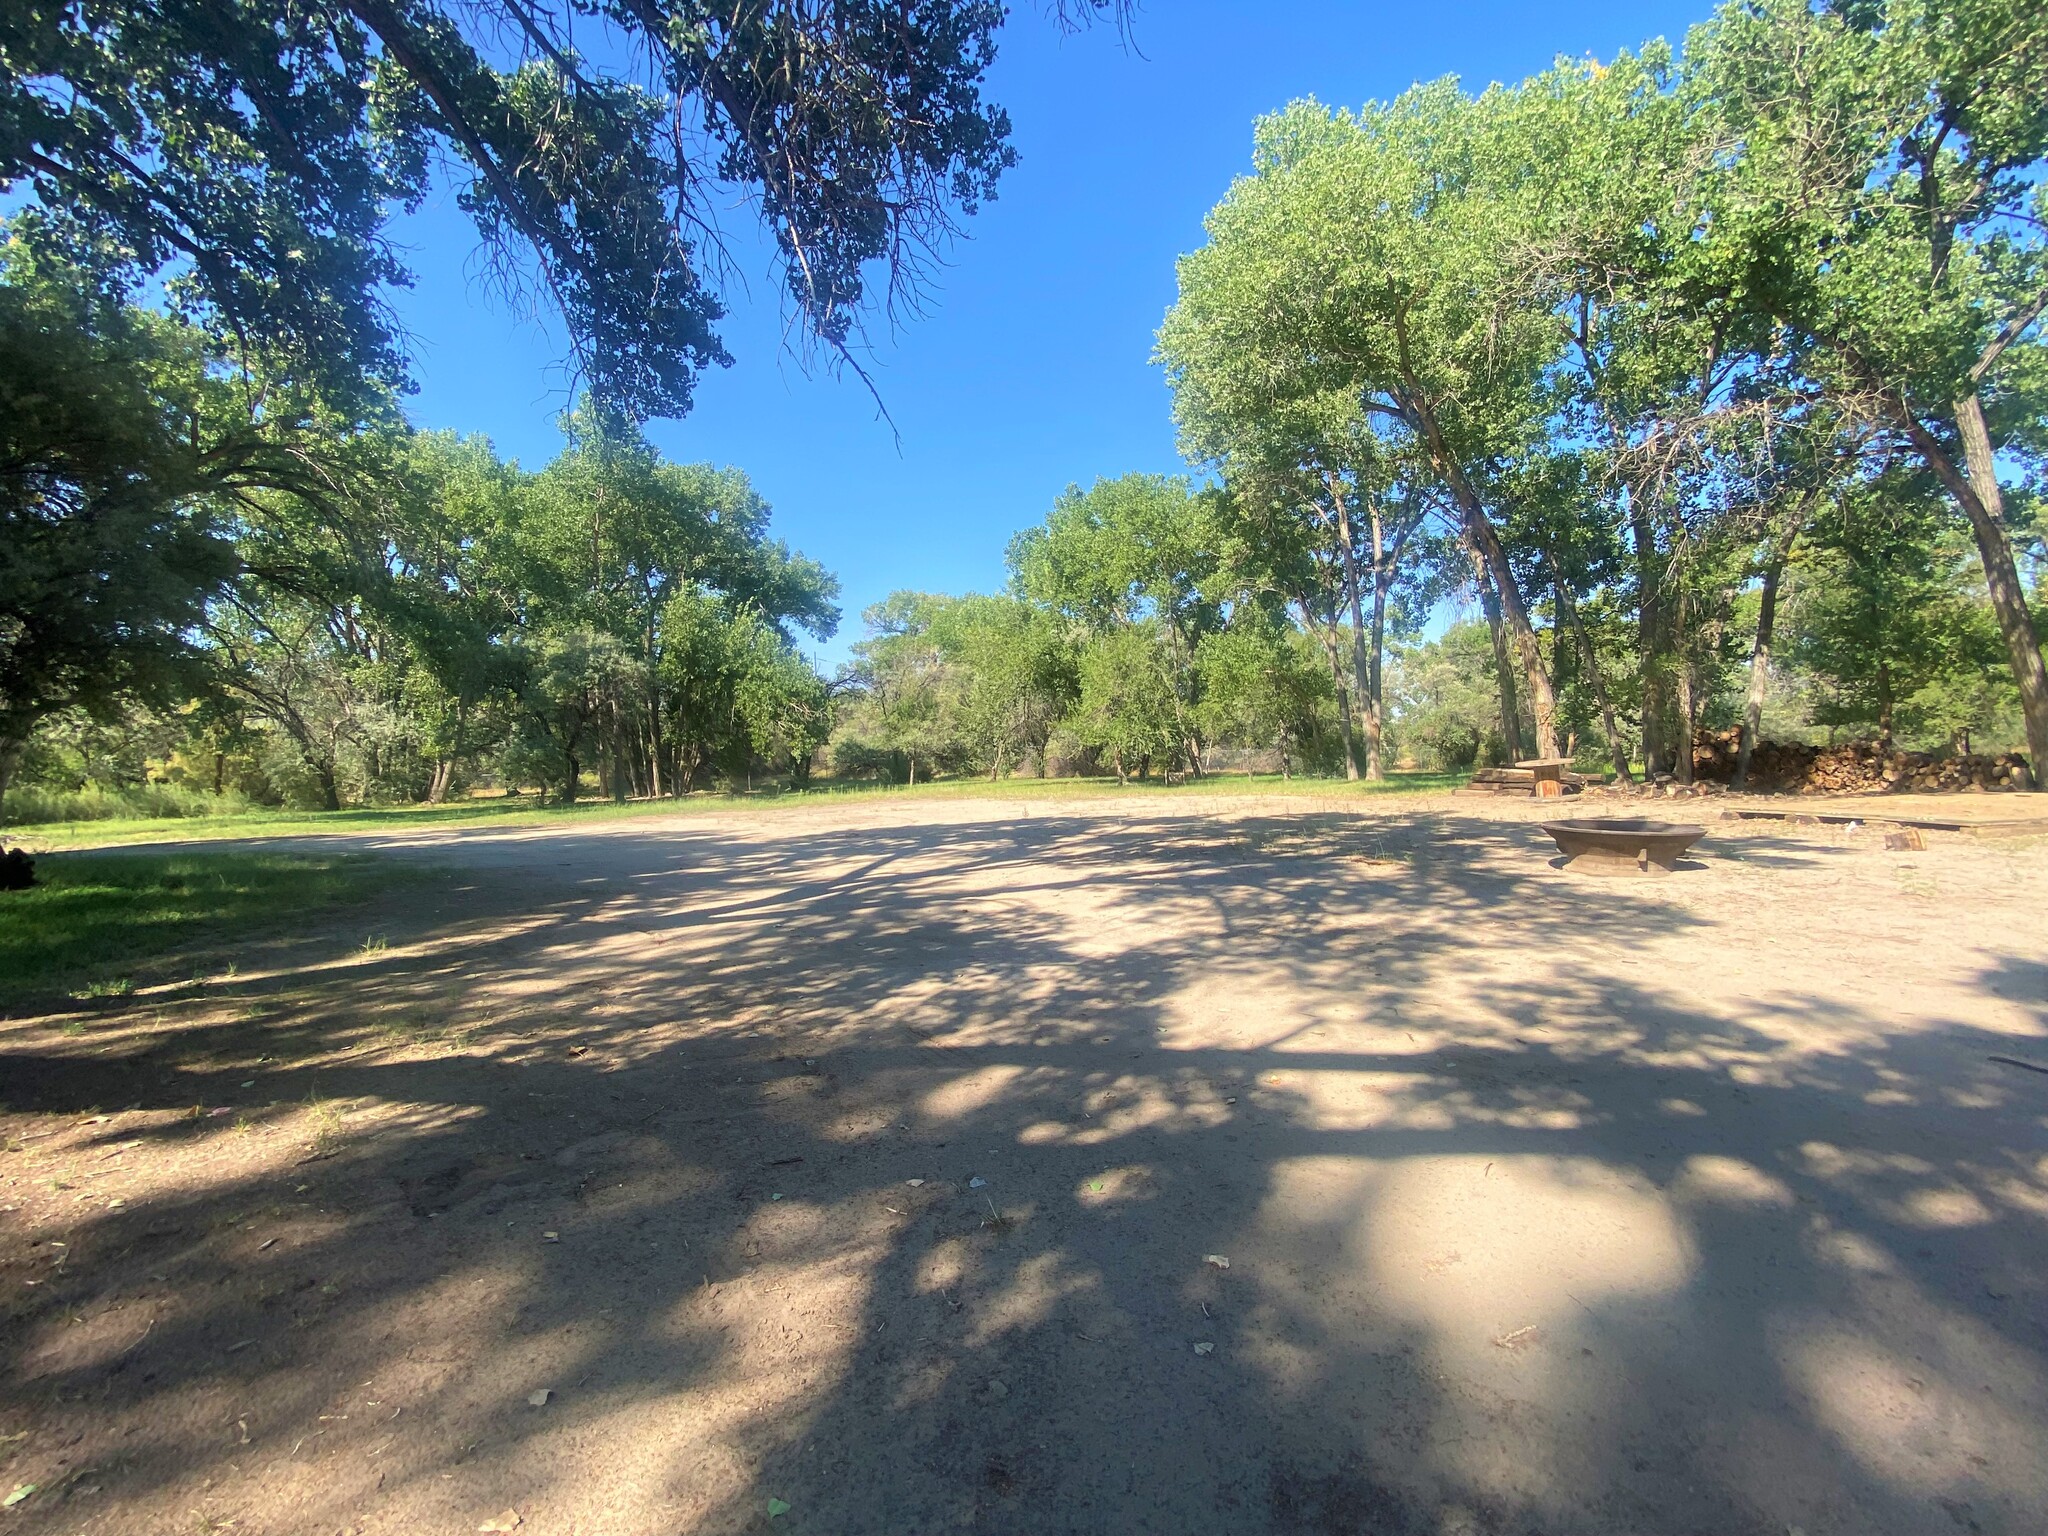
{"points": [[330, 1131]]}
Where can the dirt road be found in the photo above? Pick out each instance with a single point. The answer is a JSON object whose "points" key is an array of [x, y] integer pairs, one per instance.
{"points": [[876, 1169]]}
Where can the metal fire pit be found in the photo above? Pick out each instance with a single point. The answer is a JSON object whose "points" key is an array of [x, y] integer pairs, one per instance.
{"points": [[1617, 845]]}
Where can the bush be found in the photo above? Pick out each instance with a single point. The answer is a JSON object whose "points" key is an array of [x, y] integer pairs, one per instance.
{"points": [[31, 803], [853, 758]]}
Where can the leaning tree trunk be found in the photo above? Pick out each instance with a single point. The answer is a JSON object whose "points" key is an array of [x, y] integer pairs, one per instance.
{"points": [[1977, 493], [1522, 634], [1484, 542], [1503, 670]]}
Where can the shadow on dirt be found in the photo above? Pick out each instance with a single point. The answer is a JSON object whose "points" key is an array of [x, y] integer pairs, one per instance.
{"points": [[1541, 1252]]}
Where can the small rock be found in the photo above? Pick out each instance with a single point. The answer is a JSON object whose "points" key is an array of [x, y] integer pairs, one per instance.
{"points": [[915, 1183], [539, 1398], [508, 1521], [1205, 1348], [551, 1237], [977, 1183], [998, 1389], [1216, 1261], [1905, 840]]}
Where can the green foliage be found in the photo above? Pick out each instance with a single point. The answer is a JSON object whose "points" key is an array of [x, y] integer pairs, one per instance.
{"points": [[109, 563], [1884, 625], [1597, 354], [250, 152], [1443, 694], [1262, 685], [34, 804], [1130, 709]]}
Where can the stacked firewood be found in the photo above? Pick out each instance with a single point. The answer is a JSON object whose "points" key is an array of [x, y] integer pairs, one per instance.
{"points": [[1855, 767]]}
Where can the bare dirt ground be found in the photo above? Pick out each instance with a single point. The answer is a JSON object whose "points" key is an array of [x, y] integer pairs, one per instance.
{"points": [[868, 1169]]}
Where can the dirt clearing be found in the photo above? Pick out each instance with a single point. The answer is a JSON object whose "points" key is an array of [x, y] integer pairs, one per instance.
{"points": [[867, 1170]]}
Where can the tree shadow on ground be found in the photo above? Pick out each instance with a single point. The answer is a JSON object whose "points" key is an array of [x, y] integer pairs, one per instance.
{"points": [[877, 1172]]}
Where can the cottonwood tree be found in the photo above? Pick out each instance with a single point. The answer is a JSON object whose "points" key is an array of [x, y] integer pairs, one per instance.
{"points": [[119, 454], [1369, 256], [1135, 554], [1883, 195]]}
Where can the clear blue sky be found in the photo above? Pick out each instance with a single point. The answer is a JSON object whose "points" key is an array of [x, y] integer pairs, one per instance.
{"points": [[1031, 368]]}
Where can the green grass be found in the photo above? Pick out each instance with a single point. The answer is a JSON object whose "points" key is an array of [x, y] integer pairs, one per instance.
{"points": [[513, 813], [99, 926]]}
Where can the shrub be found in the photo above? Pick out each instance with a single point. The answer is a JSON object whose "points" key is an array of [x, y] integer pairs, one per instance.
{"points": [[31, 803]]}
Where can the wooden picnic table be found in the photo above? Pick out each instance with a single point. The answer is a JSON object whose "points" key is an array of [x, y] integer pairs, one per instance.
{"points": [[1548, 773]]}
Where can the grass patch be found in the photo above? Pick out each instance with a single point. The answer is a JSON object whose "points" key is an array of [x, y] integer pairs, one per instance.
{"points": [[100, 926], [508, 812]]}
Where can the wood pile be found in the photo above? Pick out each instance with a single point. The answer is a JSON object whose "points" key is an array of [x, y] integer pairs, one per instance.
{"points": [[1518, 781], [1854, 767]]}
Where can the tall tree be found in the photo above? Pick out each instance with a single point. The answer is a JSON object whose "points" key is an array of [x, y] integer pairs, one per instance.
{"points": [[118, 454], [1883, 194], [1368, 256], [1139, 551]]}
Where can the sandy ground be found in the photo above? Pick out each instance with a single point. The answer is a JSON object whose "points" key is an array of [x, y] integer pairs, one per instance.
{"points": [[871, 1169]]}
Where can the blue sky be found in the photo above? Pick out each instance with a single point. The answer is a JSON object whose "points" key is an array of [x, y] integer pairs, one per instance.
{"points": [[1031, 368]]}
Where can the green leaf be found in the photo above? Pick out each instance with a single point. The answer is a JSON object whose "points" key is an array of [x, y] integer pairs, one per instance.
{"points": [[777, 1507], [22, 1491]]}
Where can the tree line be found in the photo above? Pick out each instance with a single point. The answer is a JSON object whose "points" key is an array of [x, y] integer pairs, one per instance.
{"points": [[1640, 338], [1707, 385], [1710, 382], [244, 588]]}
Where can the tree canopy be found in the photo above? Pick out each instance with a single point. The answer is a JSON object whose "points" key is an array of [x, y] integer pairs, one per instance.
{"points": [[249, 155]]}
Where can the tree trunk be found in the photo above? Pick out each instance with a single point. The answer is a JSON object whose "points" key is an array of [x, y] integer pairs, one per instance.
{"points": [[1688, 704], [1589, 663], [1375, 674], [1328, 637], [1760, 662], [1486, 547], [1978, 494], [1344, 729], [330, 793], [1503, 670], [1542, 697], [1361, 685], [1649, 636]]}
